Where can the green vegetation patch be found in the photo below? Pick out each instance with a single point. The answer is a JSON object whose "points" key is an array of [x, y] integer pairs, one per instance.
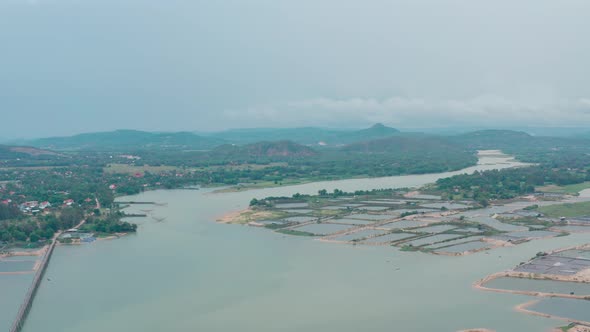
{"points": [[566, 210], [569, 189], [131, 169]]}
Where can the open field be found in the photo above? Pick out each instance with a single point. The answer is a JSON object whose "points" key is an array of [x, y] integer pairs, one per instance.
{"points": [[566, 210], [569, 189], [116, 168], [130, 169]]}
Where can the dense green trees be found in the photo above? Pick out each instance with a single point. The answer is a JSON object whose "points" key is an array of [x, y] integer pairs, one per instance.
{"points": [[70, 217], [108, 224], [508, 183], [8, 211], [33, 229]]}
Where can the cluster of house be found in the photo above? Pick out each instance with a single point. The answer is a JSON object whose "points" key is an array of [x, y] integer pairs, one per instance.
{"points": [[34, 206]]}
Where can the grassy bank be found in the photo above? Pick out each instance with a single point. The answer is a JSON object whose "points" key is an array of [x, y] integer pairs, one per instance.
{"points": [[566, 210]]}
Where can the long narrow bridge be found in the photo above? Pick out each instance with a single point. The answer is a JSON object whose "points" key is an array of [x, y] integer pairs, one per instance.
{"points": [[28, 300]]}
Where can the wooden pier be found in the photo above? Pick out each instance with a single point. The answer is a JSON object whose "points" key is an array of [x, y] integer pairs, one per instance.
{"points": [[29, 297]]}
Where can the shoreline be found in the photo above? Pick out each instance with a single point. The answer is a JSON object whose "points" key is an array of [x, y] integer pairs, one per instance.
{"points": [[230, 217], [37, 252], [247, 216], [524, 308]]}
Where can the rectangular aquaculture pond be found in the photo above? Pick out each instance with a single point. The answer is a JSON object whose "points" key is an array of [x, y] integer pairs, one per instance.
{"points": [[392, 237], [322, 229], [359, 235], [291, 205], [432, 239], [469, 230], [567, 308], [302, 211], [468, 246], [16, 266], [532, 234], [381, 202], [334, 207], [449, 206], [404, 224], [374, 208], [493, 223], [351, 221], [574, 229], [352, 205], [454, 242], [553, 264], [301, 219], [371, 216], [434, 229], [574, 253], [417, 210], [426, 196]]}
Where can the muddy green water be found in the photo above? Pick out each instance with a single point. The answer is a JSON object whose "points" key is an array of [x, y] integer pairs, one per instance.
{"points": [[191, 274]]}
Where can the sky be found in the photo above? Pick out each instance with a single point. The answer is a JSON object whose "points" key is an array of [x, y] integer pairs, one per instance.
{"points": [[72, 66]]}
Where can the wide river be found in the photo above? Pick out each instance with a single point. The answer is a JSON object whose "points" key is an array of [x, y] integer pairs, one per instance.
{"points": [[189, 273]]}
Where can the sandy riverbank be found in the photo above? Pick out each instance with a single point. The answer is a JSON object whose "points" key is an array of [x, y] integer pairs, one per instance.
{"points": [[247, 216], [230, 217]]}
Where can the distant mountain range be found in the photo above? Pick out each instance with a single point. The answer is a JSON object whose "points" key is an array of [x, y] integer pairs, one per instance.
{"points": [[511, 141], [124, 140], [306, 135], [299, 142]]}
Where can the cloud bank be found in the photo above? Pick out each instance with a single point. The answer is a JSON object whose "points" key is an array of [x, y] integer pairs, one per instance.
{"points": [[485, 110]]}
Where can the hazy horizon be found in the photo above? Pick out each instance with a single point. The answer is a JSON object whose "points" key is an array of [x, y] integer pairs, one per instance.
{"points": [[573, 131], [70, 67]]}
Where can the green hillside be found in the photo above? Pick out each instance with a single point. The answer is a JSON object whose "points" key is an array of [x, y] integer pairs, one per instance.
{"points": [[306, 135], [121, 140]]}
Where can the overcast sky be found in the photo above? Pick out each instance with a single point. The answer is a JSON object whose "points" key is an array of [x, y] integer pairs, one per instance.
{"points": [[70, 66]]}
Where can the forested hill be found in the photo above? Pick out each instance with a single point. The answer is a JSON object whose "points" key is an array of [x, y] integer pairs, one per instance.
{"points": [[557, 151], [492, 139], [403, 144], [514, 140], [124, 140], [281, 150], [307, 135], [409, 155], [128, 140], [306, 143]]}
